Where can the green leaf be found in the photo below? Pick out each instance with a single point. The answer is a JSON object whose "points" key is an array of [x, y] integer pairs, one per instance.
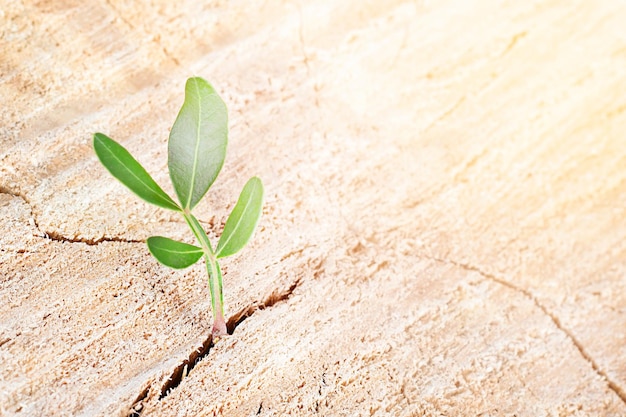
{"points": [[197, 144], [177, 255], [242, 220], [129, 172]]}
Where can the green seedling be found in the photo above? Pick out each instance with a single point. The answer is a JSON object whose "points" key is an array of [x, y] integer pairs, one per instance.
{"points": [[196, 152]]}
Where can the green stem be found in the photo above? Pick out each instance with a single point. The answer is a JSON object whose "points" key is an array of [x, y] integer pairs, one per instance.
{"points": [[214, 272], [217, 299], [200, 234]]}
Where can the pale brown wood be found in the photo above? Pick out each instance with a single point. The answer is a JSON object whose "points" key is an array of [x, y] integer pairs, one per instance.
{"points": [[443, 234]]}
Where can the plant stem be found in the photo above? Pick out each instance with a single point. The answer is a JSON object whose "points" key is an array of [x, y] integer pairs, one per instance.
{"points": [[214, 274], [217, 298]]}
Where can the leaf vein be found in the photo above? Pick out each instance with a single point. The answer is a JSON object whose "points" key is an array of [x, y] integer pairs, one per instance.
{"points": [[148, 187], [197, 148]]}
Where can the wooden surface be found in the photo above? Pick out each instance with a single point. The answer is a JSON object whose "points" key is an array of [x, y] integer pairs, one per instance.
{"points": [[444, 231]]}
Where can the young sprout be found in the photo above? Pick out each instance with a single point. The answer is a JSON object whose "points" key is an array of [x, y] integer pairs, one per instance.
{"points": [[196, 152]]}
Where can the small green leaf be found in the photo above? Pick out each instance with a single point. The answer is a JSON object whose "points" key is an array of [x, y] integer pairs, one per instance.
{"points": [[129, 172], [177, 255], [242, 220], [197, 144]]}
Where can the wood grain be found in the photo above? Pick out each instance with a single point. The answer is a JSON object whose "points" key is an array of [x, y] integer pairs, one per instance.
{"points": [[443, 234]]}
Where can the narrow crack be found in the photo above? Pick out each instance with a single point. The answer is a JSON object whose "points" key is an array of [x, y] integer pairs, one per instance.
{"points": [[514, 40], [8, 191], [444, 115], [182, 370], [613, 386], [137, 407], [274, 298], [58, 237]]}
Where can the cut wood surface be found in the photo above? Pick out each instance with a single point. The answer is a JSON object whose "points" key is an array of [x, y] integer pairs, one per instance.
{"points": [[444, 231]]}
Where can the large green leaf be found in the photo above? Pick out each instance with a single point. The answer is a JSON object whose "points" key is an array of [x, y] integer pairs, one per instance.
{"points": [[242, 220], [125, 168], [177, 255], [197, 144]]}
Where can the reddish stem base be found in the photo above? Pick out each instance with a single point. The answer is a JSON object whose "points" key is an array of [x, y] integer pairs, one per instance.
{"points": [[219, 327]]}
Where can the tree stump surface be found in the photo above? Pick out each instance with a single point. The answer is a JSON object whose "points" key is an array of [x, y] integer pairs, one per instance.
{"points": [[444, 230]]}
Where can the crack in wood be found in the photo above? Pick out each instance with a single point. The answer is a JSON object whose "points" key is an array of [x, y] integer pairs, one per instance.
{"points": [[182, 370], [446, 113], [612, 385], [91, 242], [4, 341], [275, 297], [7, 191], [57, 237], [137, 407]]}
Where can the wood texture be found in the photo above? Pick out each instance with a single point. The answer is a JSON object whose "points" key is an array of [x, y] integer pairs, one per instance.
{"points": [[444, 228]]}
